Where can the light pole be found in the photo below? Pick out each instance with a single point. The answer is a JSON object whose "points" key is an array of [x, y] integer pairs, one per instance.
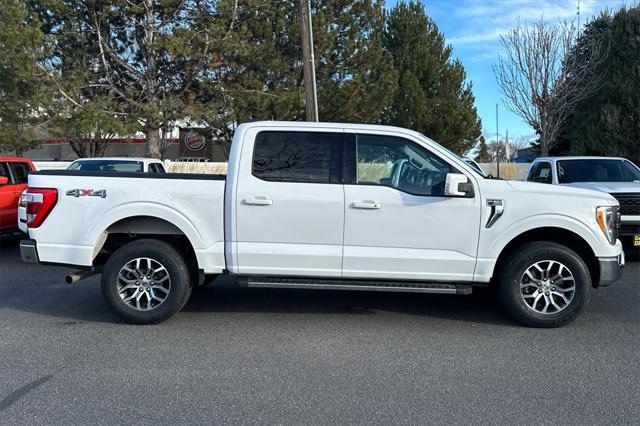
{"points": [[497, 145], [310, 93]]}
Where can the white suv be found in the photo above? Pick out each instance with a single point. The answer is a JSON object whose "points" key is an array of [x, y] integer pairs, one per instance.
{"points": [[616, 176]]}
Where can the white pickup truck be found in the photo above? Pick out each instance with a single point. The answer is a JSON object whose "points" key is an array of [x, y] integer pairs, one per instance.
{"points": [[327, 206]]}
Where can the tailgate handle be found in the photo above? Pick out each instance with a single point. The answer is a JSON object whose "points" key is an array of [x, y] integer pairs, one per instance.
{"points": [[366, 205], [258, 201]]}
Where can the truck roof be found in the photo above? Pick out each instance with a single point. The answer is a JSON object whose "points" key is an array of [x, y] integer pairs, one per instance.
{"points": [[578, 157], [323, 125], [141, 159]]}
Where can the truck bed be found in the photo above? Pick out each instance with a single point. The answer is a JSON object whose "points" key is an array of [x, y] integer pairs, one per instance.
{"points": [[97, 201]]}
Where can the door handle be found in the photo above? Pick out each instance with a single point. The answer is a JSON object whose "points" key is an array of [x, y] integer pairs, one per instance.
{"points": [[258, 201], [366, 205]]}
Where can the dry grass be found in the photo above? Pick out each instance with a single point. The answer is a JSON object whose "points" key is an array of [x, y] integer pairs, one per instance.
{"points": [[508, 171], [373, 172], [206, 168]]}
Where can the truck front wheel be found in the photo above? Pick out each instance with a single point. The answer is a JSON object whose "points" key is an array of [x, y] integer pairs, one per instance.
{"points": [[544, 284], [146, 281]]}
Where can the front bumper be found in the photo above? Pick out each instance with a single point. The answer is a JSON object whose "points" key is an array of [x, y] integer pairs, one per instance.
{"points": [[610, 269], [29, 251]]}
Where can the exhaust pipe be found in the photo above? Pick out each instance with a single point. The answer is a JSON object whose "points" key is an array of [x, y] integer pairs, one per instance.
{"points": [[77, 276]]}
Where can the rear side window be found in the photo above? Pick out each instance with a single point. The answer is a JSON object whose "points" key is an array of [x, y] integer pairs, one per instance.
{"points": [[540, 172], [307, 157], [156, 168], [106, 166], [20, 172]]}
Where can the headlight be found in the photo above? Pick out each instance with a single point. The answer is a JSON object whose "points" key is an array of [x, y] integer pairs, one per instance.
{"points": [[608, 219]]}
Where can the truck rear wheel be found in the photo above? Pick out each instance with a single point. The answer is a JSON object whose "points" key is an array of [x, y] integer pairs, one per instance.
{"points": [[146, 281], [544, 284]]}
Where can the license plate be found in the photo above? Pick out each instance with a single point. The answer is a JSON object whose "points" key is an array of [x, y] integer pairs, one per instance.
{"points": [[636, 240]]}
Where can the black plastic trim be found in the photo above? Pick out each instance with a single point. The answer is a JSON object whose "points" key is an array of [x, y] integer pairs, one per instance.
{"points": [[610, 271]]}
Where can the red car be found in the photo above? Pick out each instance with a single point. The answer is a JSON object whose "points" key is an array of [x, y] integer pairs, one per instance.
{"points": [[13, 180]]}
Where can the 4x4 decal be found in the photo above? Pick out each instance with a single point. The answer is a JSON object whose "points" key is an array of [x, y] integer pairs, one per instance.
{"points": [[102, 193]]}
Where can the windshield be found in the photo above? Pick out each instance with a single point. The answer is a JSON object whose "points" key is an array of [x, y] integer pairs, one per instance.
{"points": [[597, 171], [106, 166], [475, 166]]}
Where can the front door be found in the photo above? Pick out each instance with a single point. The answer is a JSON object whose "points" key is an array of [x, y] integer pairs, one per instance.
{"points": [[290, 204], [398, 223]]}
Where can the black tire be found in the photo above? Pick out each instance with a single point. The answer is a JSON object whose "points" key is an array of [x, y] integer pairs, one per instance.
{"points": [[516, 265], [176, 269]]}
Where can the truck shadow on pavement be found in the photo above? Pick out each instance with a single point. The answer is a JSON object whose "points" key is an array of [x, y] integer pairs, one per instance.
{"points": [[41, 290]]}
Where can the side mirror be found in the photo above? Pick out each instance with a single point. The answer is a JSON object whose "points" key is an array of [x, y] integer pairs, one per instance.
{"points": [[457, 185], [4, 180]]}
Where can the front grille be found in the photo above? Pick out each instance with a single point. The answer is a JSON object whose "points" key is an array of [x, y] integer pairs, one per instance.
{"points": [[629, 203], [630, 229]]}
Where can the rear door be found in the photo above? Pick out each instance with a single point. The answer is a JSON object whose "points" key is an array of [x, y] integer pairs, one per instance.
{"points": [[290, 203]]}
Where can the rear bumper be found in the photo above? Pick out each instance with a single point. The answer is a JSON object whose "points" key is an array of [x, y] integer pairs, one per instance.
{"points": [[610, 269], [29, 251]]}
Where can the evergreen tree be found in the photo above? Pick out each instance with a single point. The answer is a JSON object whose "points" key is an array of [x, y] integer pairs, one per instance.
{"points": [[606, 123], [483, 155], [23, 96], [144, 57], [356, 79], [433, 97]]}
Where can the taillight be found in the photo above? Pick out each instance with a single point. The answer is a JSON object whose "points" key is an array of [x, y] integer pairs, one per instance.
{"points": [[39, 202]]}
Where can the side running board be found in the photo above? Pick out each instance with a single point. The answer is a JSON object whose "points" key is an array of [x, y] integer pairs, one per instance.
{"points": [[338, 284]]}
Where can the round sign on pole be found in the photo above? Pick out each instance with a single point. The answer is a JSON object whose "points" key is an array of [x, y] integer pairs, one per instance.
{"points": [[194, 141]]}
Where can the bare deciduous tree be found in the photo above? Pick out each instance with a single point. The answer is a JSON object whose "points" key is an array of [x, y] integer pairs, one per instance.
{"points": [[541, 79]]}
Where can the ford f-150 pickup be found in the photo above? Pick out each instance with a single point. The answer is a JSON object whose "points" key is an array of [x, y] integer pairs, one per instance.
{"points": [[327, 206]]}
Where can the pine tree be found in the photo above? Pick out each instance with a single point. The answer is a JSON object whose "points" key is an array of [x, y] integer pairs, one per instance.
{"points": [[23, 96], [483, 155], [433, 97], [606, 123], [356, 79], [144, 57]]}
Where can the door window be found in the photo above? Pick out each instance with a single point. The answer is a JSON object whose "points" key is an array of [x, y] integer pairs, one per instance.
{"points": [[20, 172], [4, 171], [310, 157], [401, 164], [541, 173], [156, 168]]}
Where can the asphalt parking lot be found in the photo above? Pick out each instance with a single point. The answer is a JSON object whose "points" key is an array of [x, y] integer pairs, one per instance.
{"points": [[275, 356]]}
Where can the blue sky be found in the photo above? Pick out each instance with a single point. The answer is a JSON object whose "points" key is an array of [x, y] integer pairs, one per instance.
{"points": [[473, 28]]}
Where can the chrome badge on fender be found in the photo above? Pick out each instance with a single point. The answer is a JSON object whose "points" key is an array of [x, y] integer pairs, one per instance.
{"points": [[102, 193]]}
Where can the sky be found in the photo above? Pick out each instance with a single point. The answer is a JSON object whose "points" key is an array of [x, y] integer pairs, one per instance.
{"points": [[474, 27]]}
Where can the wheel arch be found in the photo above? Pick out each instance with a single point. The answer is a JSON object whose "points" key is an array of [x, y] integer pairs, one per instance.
{"points": [[557, 235], [138, 227]]}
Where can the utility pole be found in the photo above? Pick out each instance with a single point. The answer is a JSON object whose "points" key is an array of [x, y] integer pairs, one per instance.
{"points": [[310, 95], [497, 145], [507, 159]]}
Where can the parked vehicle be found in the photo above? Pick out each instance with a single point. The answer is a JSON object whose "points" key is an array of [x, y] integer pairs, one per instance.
{"points": [[118, 164], [327, 206], [14, 172], [616, 176]]}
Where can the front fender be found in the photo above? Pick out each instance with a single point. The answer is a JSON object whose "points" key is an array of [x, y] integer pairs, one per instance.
{"points": [[588, 232], [493, 241]]}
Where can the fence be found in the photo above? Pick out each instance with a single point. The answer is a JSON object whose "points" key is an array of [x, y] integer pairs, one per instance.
{"points": [[509, 171]]}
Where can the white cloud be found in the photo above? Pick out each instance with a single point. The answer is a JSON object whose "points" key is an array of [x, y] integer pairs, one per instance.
{"points": [[486, 20]]}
